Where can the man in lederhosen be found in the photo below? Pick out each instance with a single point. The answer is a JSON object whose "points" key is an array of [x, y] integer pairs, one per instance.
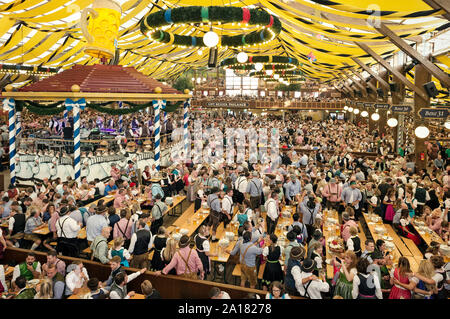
{"points": [[240, 186], [157, 214], [254, 190], [215, 212]]}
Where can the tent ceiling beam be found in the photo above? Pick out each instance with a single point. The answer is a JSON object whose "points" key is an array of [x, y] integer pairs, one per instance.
{"points": [[419, 91], [361, 87], [405, 47], [440, 4], [345, 84], [370, 84], [372, 73]]}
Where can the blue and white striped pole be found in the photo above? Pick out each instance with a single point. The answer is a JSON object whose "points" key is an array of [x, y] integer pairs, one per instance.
{"points": [[18, 123], [66, 115], [9, 105], [158, 105], [76, 106], [120, 117], [165, 121], [185, 127]]}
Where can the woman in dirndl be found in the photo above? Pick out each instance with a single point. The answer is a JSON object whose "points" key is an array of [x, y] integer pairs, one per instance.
{"points": [[272, 271], [347, 272]]}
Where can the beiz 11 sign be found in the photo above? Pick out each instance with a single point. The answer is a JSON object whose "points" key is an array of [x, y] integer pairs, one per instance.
{"points": [[433, 113]]}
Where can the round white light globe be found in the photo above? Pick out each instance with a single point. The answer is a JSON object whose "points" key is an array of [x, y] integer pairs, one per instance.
{"points": [[364, 114], [422, 131], [269, 72], [242, 57], [258, 66], [356, 111], [392, 122], [276, 76], [375, 117], [210, 39], [350, 109], [346, 107], [447, 125]]}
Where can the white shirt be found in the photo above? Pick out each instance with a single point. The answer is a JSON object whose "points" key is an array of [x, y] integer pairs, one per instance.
{"points": [[315, 287], [272, 209], [356, 282], [225, 295], [2, 278], [70, 228], [16, 272], [74, 280], [241, 184], [114, 295], [101, 187], [227, 203]]}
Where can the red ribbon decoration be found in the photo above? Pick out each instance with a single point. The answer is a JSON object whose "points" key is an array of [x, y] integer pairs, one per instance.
{"points": [[245, 15], [250, 59], [271, 22]]}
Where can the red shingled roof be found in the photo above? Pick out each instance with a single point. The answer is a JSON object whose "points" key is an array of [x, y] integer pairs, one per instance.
{"points": [[99, 78]]}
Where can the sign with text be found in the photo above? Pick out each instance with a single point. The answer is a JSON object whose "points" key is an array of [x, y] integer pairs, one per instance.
{"points": [[401, 108], [433, 113], [368, 105], [359, 104], [227, 104], [383, 106]]}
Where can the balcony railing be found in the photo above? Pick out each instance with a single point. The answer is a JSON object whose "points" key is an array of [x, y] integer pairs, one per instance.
{"points": [[258, 104]]}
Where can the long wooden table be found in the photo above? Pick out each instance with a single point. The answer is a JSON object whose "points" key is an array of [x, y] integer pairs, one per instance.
{"points": [[44, 231], [399, 249], [330, 230], [429, 235], [176, 202], [84, 290], [190, 220]]}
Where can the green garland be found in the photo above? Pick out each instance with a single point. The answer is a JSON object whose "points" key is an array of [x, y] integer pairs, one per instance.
{"points": [[42, 109], [270, 62], [151, 24]]}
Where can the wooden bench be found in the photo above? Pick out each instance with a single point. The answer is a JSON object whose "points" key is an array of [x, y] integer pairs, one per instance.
{"points": [[169, 286], [362, 237], [412, 247], [397, 241]]}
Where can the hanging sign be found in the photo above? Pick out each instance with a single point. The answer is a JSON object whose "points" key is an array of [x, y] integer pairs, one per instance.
{"points": [[227, 104], [401, 108], [383, 106], [433, 113]]}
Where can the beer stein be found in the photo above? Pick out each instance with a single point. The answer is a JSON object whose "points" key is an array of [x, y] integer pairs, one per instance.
{"points": [[102, 30]]}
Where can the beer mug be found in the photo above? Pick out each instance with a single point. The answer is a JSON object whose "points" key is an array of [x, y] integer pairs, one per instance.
{"points": [[102, 29]]}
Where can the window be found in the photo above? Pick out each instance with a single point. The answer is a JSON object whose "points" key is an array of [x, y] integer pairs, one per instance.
{"points": [[240, 85]]}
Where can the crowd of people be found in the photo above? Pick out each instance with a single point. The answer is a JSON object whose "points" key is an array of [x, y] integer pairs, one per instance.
{"points": [[321, 173]]}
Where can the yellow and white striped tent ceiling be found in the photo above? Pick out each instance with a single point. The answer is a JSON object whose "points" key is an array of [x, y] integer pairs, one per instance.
{"points": [[47, 33]]}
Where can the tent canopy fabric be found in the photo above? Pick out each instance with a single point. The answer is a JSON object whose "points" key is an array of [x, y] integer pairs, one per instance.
{"points": [[47, 33]]}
